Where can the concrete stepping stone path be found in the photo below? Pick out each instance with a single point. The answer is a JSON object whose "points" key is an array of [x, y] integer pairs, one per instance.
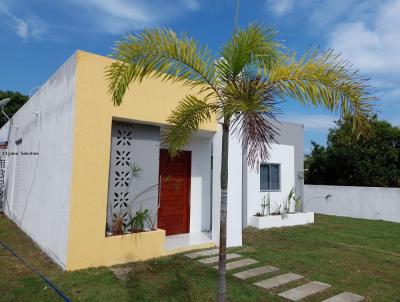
{"points": [[294, 294], [206, 253], [238, 264], [278, 280], [255, 272], [345, 297], [303, 291], [212, 260]]}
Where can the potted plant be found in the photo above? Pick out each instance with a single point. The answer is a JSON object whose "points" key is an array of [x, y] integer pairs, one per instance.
{"points": [[118, 225], [265, 206], [138, 222]]}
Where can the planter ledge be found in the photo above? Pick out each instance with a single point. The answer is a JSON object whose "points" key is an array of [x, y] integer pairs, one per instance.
{"points": [[276, 221]]}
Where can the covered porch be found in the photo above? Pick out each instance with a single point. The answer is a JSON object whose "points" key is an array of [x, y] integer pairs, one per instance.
{"points": [[176, 192]]}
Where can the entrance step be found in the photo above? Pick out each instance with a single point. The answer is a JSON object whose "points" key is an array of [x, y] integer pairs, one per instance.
{"points": [[188, 243], [238, 264], [206, 253], [255, 272], [278, 280], [215, 259], [345, 297], [300, 292]]}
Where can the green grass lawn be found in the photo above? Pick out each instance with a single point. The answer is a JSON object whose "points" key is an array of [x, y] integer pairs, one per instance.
{"points": [[361, 256]]}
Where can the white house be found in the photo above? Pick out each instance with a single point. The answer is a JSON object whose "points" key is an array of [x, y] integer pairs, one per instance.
{"points": [[77, 166]]}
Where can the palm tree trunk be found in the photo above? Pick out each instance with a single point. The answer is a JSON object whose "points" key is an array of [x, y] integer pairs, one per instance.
{"points": [[224, 202]]}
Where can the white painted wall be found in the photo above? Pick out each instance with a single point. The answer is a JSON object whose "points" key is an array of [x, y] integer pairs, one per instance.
{"points": [[357, 202], [279, 154], [3, 169], [4, 132], [38, 193], [200, 187], [234, 216]]}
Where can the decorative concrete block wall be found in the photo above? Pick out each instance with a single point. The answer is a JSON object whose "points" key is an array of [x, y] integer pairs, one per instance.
{"points": [[133, 145]]}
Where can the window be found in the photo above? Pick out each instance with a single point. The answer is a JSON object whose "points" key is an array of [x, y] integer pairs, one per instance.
{"points": [[270, 177]]}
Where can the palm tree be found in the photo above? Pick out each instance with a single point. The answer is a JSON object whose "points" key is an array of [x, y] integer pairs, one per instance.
{"points": [[240, 87]]}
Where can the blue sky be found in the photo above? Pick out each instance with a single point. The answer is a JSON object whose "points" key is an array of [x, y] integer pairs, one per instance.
{"points": [[38, 36]]}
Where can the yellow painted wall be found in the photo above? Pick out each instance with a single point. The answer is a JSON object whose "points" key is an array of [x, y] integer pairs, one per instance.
{"points": [[149, 102]]}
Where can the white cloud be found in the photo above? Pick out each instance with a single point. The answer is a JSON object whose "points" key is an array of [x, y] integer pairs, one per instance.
{"points": [[31, 27], [375, 49], [396, 121], [394, 93], [22, 29], [365, 32], [327, 12], [116, 16], [191, 4], [279, 7], [312, 122], [120, 9]]}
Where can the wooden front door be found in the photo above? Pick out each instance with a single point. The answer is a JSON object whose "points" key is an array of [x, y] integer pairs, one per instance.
{"points": [[175, 174]]}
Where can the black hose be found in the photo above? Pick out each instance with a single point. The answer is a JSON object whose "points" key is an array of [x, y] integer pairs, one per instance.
{"points": [[44, 278]]}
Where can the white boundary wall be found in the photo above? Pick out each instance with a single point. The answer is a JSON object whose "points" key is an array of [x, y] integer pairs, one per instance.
{"points": [[357, 202], [38, 186]]}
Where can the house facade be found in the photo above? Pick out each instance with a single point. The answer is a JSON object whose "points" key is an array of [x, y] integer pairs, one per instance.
{"points": [[76, 164]]}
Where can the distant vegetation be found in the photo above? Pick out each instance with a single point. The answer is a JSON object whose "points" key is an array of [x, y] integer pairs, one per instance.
{"points": [[17, 100], [371, 161]]}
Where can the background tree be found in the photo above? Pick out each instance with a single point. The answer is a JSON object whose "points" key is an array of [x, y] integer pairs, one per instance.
{"points": [[239, 86], [17, 100], [351, 161]]}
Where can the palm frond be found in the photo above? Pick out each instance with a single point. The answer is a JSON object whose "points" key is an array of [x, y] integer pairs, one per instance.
{"points": [[190, 113], [324, 80], [252, 48], [160, 53], [251, 104]]}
